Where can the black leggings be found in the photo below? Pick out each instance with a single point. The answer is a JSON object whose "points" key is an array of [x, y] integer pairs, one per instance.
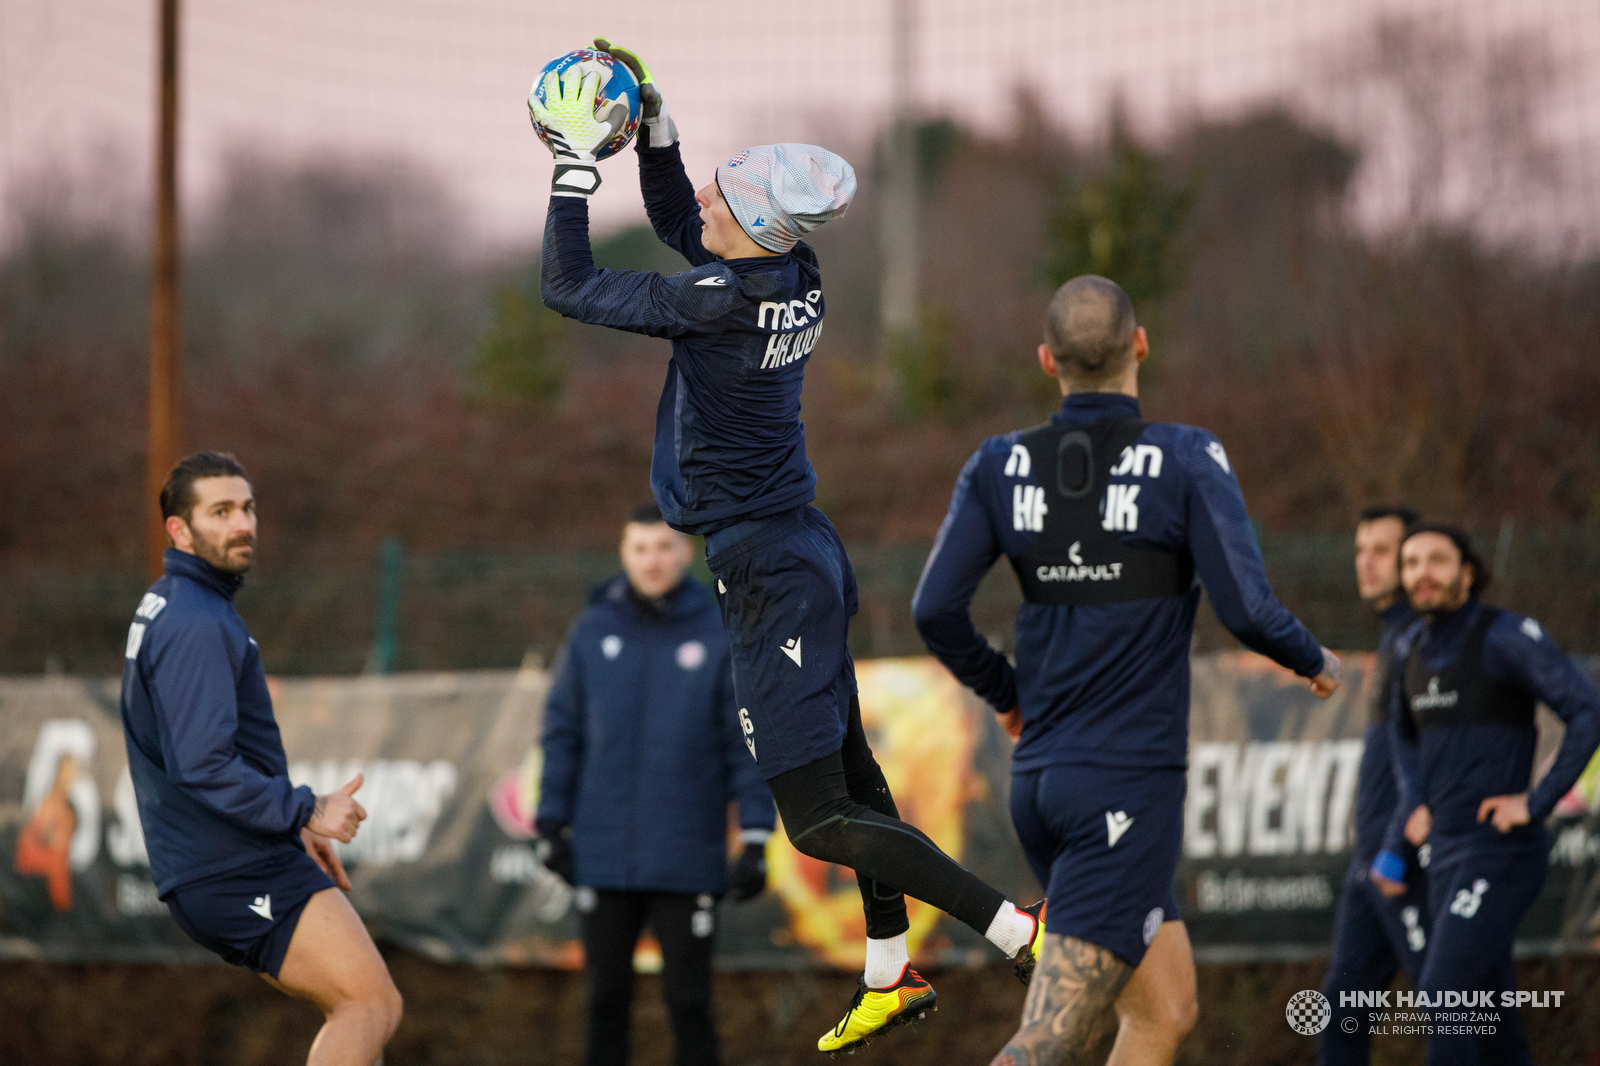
{"points": [[838, 809], [683, 928]]}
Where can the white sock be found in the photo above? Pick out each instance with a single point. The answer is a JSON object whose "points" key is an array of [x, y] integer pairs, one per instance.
{"points": [[886, 961], [1011, 930]]}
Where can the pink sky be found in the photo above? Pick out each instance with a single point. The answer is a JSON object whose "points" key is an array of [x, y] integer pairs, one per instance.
{"points": [[445, 82]]}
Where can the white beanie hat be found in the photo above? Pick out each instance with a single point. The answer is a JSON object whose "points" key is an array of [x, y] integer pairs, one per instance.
{"points": [[781, 192]]}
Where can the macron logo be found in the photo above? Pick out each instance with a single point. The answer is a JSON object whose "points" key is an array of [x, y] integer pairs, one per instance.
{"points": [[716, 281], [1214, 449], [263, 906], [1116, 825], [792, 650]]}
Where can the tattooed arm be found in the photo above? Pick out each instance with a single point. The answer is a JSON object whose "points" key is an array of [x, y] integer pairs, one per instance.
{"points": [[1068, 1018]]}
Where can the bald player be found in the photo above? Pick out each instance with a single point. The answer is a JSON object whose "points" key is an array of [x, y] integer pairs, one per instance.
{"points": [[1108, 521]]}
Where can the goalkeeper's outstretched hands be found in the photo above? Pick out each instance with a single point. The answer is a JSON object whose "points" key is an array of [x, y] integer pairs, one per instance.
{"points": [[573, 130], [656, 128]]}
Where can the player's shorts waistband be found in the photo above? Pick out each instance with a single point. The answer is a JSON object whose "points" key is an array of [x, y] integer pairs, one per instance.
{"points": [[739, 532]]}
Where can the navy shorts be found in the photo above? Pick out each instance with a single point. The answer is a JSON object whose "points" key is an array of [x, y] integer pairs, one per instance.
{"points": [[1104, 841], [248, 914], [787, 593]]}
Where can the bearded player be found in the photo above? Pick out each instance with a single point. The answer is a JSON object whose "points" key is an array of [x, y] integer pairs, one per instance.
{"points": [[242, 857], [730, 465]]}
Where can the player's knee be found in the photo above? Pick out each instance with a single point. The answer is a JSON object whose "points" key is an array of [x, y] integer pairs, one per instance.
{"points": [[824, 841], [1184, 1014], [393, 1005], [815, 842], [1168, 1017], [380, 1001]]}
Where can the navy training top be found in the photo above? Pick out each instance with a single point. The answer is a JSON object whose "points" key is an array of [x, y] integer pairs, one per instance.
{"points": [[204, 751], [1105, 684], [642, 745], [1377, 794], [729, 444], [1451, 769]]}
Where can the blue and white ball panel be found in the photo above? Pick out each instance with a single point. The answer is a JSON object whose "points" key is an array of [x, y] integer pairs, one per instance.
{"points": [[1104, 841], [617, 83]]}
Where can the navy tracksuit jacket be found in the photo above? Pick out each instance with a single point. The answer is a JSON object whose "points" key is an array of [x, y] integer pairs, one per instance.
{"points": [[1107, 522], [207, 761], [1109, 684], [643, 750], [1451, 767], [1463, 730], [730, 446]]}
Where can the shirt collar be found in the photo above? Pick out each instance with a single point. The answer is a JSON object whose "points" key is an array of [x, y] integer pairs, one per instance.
{"points": [[184, 564], [1444, 626], [1082, 408], [657, 607], [1397, 612]]}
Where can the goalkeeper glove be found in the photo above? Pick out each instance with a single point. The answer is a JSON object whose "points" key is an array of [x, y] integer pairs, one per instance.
{"points": [[748, 878], [553, 848], [573, 129], [656, 128]]}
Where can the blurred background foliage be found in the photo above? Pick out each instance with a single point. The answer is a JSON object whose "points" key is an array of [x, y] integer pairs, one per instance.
{"points": [[377, 376]]}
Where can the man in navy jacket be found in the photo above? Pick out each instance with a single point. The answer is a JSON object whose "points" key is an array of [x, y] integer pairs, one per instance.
{"points": [[240, 855], [1375, 935], [1107, 521], [643, 752], [1464, 735]]}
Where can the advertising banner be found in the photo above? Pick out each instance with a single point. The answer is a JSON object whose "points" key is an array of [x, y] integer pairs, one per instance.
{"points": [[445, 864]]}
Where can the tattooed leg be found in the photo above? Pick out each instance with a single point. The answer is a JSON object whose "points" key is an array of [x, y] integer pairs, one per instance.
{"points": [[1068, 1017]]}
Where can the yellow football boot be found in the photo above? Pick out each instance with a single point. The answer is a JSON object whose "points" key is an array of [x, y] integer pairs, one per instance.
{"points": [[1028, 957], [876, 1010]]}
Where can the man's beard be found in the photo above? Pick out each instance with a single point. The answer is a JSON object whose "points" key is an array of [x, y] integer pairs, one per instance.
{"points": [[217, 554], [1449, 598]]}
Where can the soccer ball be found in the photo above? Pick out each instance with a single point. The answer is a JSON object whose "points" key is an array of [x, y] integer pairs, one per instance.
{"points": [[616, 83]]}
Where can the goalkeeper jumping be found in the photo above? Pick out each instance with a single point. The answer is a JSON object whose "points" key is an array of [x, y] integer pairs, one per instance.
{"points": [[730, 465]]}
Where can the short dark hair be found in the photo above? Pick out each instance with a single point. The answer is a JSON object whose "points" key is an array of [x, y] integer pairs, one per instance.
{"points": [[646, 514], [1481, 577], [177, 495], [1089, 329], [1406, 515]]}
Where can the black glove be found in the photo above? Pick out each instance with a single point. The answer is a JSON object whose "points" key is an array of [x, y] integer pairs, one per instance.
{"points": [[553, 846], [748, 878]]}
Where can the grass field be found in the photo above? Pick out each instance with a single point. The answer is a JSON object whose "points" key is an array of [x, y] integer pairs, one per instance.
{"points": [[204, 1015]]}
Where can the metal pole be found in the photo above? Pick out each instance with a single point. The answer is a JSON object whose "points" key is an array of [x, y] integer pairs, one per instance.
{"points": [[162, 448], [898, 233], [386, 641]]}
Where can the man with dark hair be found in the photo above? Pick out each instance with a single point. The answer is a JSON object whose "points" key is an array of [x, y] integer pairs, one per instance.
{"points": [[1107, 521], [1375, 935], [242, 857], [730, 464], [1463, 728], [643, 752]]}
